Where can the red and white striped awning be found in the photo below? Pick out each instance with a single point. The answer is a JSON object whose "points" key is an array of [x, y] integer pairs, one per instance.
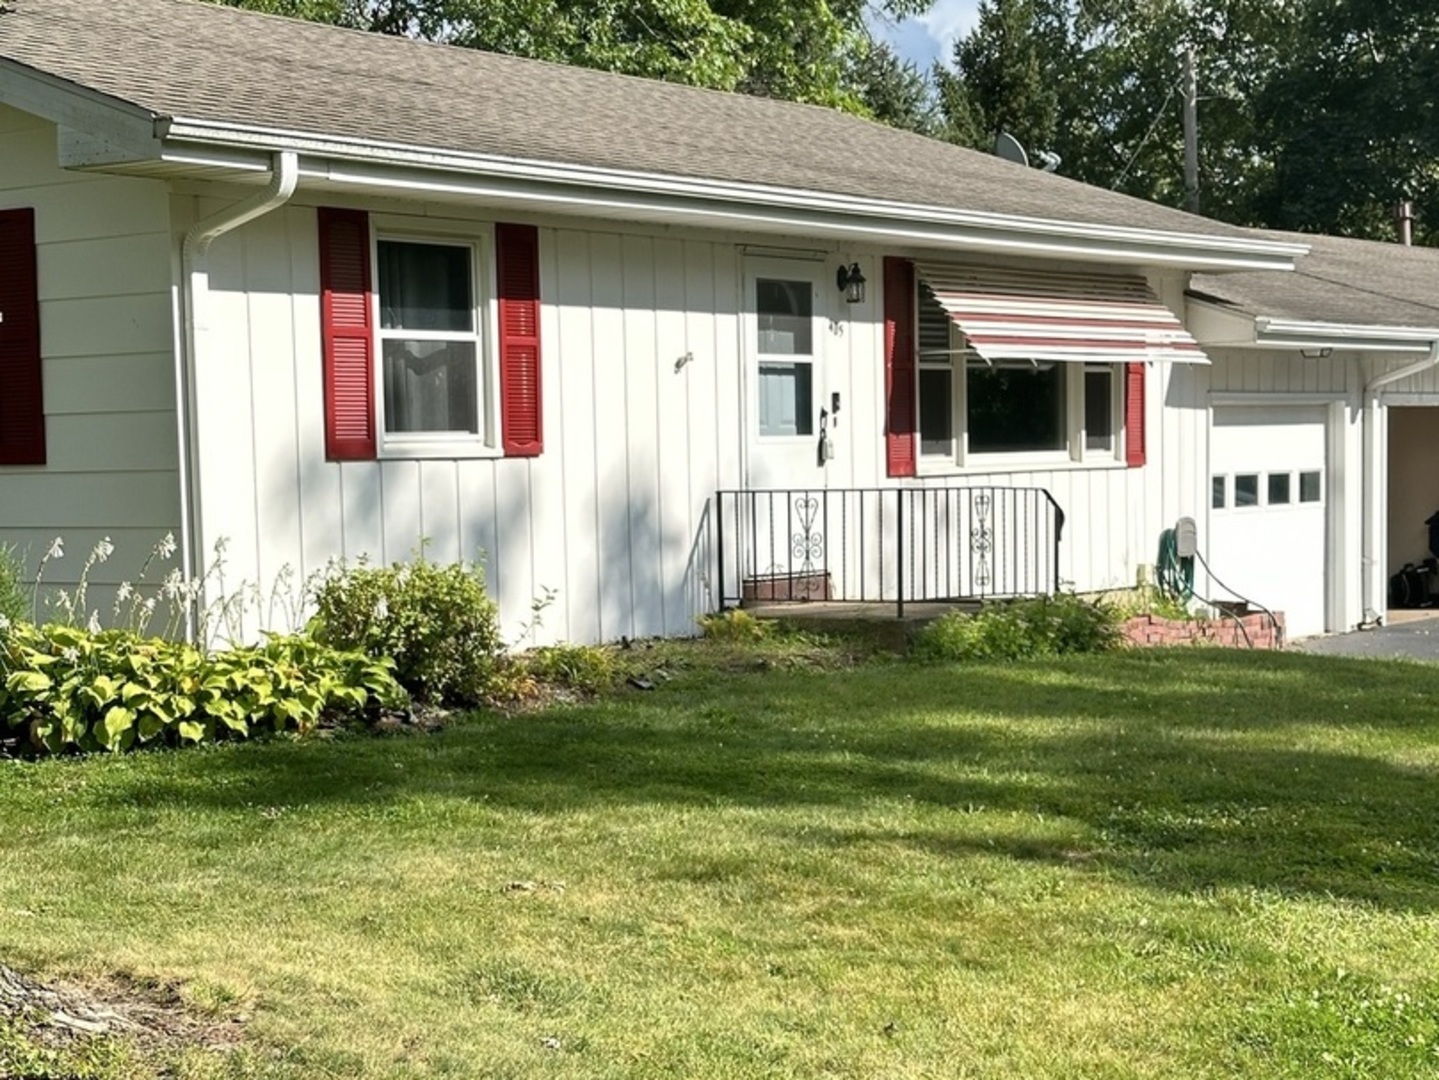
{"points": [[1009, 315]]}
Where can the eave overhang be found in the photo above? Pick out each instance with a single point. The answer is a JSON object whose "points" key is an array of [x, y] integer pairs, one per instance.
{"points": [[393, 169], [1216, 325]]}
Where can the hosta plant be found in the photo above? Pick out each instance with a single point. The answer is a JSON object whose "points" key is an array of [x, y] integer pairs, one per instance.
{"points": [[64, 687]]}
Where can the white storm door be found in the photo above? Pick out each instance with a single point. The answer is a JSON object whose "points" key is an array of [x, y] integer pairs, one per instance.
{"points": [[786, 411], [1268, 517]]}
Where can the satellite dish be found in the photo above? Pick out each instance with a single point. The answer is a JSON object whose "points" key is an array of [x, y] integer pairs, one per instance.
{"points": [[1007, 147]]}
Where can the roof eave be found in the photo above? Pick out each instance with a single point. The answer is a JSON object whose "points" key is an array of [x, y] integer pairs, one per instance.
{"points": [[1218, 323], [577, 188], [1307, 334]]}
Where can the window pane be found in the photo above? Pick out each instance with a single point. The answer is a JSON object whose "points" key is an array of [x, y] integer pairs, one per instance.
{"points": [[1015, 409], [1278, 489], [1246, 489], [1309, 487], [430, 386], [786, 324], [936, 411], [786, 403], [1099, 410], [1218, 498], [425, 287]]}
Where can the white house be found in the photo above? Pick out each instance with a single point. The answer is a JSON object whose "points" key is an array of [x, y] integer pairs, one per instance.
{"points": [[1324, 445], [328, 294]]}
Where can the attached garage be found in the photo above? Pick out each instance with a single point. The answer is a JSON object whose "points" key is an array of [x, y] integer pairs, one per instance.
{"points": [[1269, 538]]}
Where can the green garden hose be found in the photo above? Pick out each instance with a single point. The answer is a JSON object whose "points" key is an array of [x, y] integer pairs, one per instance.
{"points": [[1174, 576]]}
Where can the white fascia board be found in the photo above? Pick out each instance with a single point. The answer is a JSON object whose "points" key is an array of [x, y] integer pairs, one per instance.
{"points": [[394, 167], [73, 108], [1216, 326], [1303, 334]]}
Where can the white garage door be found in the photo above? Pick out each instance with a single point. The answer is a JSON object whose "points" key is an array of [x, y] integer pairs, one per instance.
{"points": [[1267, 519]]}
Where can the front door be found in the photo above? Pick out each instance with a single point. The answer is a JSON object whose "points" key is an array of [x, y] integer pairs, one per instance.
{"points": [[788, 421]]}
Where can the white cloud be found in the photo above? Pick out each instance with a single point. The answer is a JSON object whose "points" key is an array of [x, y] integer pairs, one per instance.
{"points": [[947, 21]]}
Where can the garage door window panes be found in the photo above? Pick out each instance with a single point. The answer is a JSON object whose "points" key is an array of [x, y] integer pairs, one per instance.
{"points": [[1276, 489], [1246, 490], [1279, 484]]}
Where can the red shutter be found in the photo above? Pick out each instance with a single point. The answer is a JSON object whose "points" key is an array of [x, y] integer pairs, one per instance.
{"points": [[899, 366], [22, 408], [517, 258], [347, 335], [1134, 415]]}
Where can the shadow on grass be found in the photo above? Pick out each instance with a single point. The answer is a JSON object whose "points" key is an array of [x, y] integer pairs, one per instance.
{"points": [[1180, 770]]}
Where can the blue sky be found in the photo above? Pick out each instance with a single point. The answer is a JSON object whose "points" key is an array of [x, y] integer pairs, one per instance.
{"points": [[931, 36]]}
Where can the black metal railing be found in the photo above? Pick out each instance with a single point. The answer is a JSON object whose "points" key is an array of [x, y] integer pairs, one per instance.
{"points": [[886, 545]]}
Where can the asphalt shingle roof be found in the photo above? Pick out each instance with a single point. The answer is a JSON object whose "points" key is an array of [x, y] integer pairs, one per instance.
{"points": [[1356, 282], [184, 58]]}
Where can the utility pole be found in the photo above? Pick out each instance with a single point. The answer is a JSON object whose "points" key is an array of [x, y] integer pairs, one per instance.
{"points": [[1191, 132]]}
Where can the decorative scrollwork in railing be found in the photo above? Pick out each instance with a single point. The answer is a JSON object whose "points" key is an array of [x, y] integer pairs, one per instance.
{"points": [[807, 544], [981, 538]]}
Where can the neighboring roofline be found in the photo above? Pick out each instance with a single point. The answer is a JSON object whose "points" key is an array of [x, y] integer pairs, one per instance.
{"points": [[1274, 332], [795, 208]]}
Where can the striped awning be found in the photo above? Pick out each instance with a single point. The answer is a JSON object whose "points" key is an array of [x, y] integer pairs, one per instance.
{"points": [[1009, 315]]}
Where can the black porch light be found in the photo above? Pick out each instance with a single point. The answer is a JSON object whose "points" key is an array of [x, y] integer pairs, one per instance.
{"points": [[851, 283]]}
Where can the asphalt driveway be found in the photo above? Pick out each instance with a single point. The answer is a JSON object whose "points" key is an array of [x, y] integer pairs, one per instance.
{"points": [[1412, 639]]}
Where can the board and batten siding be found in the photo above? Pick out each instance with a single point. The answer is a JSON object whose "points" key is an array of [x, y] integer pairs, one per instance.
{"points": [[606, 531], [610, 529], [107, 348]]}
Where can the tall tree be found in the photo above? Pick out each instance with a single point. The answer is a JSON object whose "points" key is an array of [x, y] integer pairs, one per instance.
{"points": [[1353, 124], [1007, 75]]}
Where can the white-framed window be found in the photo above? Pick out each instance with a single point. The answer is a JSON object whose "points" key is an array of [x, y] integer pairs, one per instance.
{"points": [[1255, 489], [786, 342], [972, 412], [436, 368]]}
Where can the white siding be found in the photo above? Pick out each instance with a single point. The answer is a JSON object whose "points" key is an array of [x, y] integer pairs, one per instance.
{"points": [[106, 326], [615, 517]]}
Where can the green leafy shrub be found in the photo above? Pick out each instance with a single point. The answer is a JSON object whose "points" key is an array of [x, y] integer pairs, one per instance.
{"points": [[435, 621], [63, 687], [1046, 626], [14, 605], [735, 625], [587, 668]]}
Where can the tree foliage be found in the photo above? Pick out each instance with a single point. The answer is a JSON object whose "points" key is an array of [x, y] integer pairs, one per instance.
{"points": [[1313, 114]]}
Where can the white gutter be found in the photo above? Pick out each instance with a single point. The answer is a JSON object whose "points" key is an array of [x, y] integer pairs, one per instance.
{"points": [[1297, 334], [1374, 478], [352, 160], [195, 275]]}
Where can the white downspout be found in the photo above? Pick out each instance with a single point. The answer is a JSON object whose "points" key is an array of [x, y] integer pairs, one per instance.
{"points": [[195, 274], [1374, 473]]}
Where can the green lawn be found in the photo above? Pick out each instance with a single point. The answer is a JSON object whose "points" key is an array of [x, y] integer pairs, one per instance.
{"points": [[1183, 864]]}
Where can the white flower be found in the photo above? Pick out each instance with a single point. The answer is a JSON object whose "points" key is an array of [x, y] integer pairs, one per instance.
{"points": [[382, 609], [4, 621], [57, 548], [149, 605], [103, 550], [70, 654], [167, 546], [94, 624], [124, 593], [172, 585]]}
